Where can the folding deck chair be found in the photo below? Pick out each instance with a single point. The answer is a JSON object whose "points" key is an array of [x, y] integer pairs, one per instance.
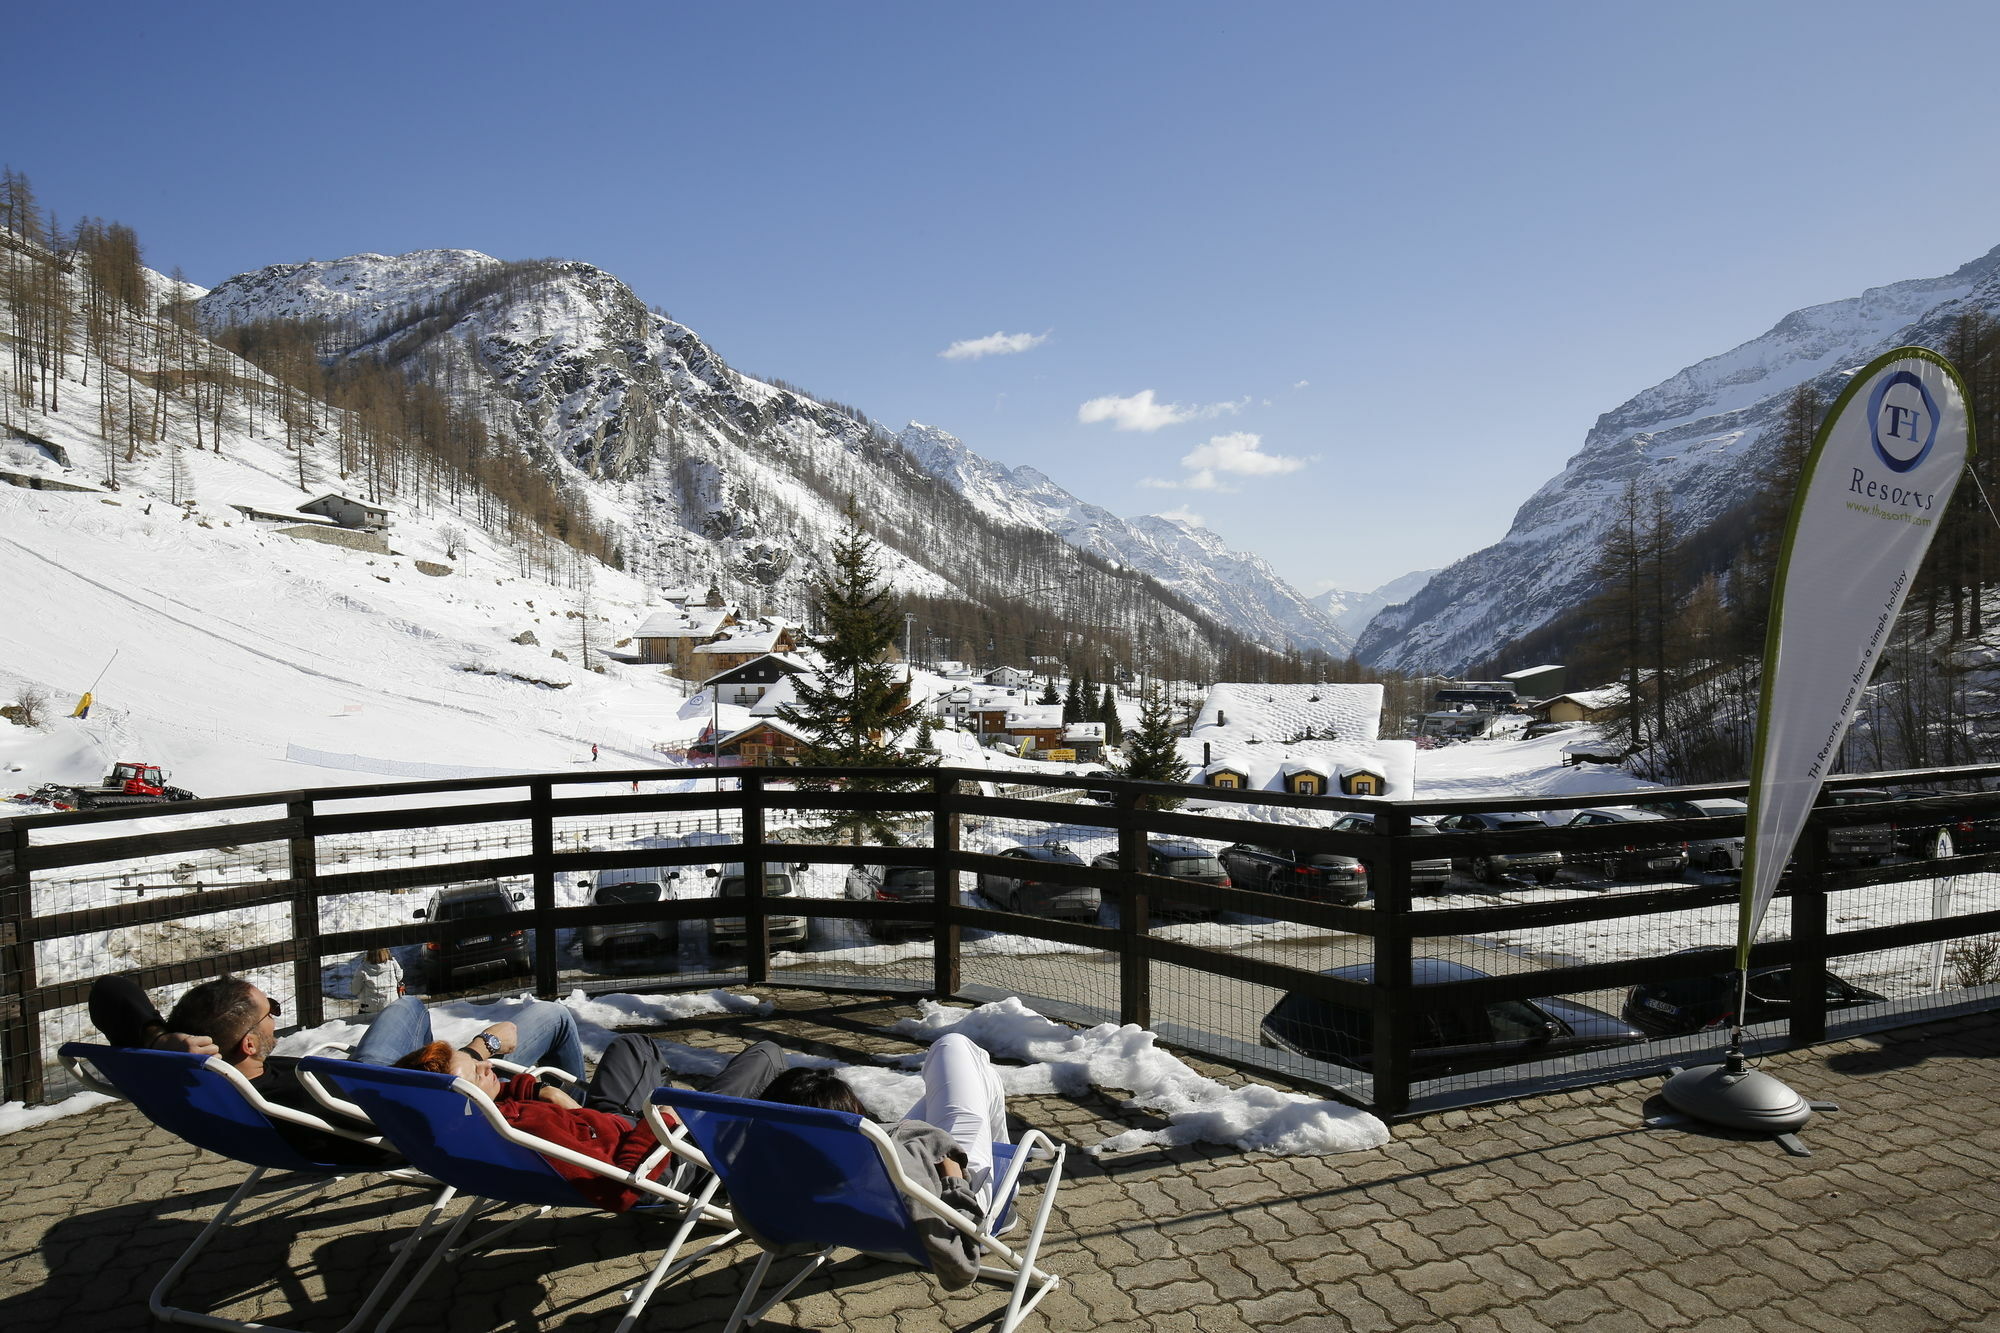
{"points": [[206, 1102], [452, 1130], [805, 1180]]}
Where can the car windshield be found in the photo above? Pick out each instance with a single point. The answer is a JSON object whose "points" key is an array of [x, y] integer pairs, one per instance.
{"points": [[465, 907], [633, 892], [1329, 859], [1521, 822], [775, 886], [904, 877]]}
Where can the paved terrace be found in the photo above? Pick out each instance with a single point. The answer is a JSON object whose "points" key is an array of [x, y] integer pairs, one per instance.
{"points": [[1558, 1213]]}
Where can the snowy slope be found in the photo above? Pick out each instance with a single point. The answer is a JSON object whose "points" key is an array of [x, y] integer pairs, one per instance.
{"points": [[1701, 434], [715, 474], [1351, 611], [1239, 589]]}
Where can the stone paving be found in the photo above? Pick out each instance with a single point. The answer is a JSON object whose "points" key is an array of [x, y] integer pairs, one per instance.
{"points": [[1559, 1213]]}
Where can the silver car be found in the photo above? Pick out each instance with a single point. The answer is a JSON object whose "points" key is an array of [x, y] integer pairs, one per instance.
{"points": [[622, 887], [1717, 856], [733, 931]]}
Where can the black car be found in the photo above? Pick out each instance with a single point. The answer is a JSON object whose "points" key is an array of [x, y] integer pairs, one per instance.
{"points": [[1632, 860], [1859, 844], [1699, 1004], [1320, 876], [451, 953], [1492, 867], [1937, 837], [1021, 890], [1180, 860], [893, 884], [1427, 876], [1504, 1032]]}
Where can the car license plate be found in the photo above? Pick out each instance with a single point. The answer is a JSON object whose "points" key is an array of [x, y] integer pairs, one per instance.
{"points": [[1663, 863], [476, 939], [1661, 1005]]}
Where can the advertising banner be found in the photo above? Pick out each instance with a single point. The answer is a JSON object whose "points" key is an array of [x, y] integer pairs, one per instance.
{"points": [[1870, 497]]}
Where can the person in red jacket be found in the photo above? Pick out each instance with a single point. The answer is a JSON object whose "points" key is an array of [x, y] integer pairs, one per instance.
{"points": [[609, 1123]]}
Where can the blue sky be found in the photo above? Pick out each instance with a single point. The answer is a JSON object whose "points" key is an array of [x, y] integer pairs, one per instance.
{"points": [[1349, 282]]}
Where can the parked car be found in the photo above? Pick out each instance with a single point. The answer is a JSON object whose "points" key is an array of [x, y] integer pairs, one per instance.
{"points": [[893, 884], [1939, 837], [1698, 1004], [1320, 876], [621, 887], [1492, 867], [451, 953], [1427, 876], [1503, 1032], [1180, 860], [1714, 855], [1018, 889], [1859, 844], [1644, 858], [734, 931]]}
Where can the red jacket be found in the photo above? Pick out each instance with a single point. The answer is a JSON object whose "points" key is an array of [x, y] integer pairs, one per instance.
{"points": [[608, 1138]]}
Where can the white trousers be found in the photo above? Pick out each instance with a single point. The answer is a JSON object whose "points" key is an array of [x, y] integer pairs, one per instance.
{"points": [[962, 1097]]}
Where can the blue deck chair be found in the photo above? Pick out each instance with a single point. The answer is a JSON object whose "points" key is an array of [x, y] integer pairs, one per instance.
{"points": [[204, 1101], [803, 1180], [450, 1129]]}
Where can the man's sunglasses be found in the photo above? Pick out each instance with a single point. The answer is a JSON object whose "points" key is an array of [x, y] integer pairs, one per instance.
{"points": [[276, 1010]]}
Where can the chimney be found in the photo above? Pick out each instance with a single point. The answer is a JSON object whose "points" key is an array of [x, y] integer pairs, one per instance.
{"points": [[1206, 759], [1221, 718]]}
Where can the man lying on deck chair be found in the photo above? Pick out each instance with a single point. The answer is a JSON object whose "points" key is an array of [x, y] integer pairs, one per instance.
{"points": [[609, 1123], [232, 1017]]}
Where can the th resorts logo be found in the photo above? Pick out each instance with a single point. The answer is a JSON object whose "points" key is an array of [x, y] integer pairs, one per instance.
{"points": [[1902, 421]]}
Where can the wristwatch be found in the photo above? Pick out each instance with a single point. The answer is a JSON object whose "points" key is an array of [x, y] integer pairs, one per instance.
{"points": [[489, 1041]]}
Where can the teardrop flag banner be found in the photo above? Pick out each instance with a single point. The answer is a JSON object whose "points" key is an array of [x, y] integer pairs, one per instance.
{"points": [[1874, 488]]}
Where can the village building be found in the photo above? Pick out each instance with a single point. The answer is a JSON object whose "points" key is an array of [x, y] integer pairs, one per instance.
{"points": [[748, 683], [1600, 705], [1307, 740], [671, 636], [348, 512]]}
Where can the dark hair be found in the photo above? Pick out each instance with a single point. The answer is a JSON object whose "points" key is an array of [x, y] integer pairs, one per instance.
{"points": [[223, 1010], [822, 1088]]}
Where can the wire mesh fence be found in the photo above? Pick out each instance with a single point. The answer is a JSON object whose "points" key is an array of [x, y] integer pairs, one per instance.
{"points": [[1407, 956]]}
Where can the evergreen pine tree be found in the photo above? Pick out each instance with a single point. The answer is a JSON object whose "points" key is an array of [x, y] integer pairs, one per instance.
{"points": [[853, 711], [1107, 713], [1073, 703], [1151, 754], [1048, 694]]}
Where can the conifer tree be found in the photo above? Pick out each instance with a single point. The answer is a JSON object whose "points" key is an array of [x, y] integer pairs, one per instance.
{"points": [[853, 711], [1107, 713], [1073, 702], [1048, 694], [1151, 753]]}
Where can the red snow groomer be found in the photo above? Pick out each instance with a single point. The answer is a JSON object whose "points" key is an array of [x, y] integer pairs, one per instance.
{"points": [[131, 784]]}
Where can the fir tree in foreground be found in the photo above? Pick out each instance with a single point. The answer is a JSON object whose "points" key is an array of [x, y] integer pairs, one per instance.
{"points": [[1151, 752], [857, 709]]}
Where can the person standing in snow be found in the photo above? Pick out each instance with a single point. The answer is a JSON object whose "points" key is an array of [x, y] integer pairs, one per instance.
{"points": [[593, 752], [379, 981]]}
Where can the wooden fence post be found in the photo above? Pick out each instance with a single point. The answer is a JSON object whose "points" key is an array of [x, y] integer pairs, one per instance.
{"points": [[1391, 1021], [756, 921], [945, 975], [1135, 964], [308, 999], [20, 1018], [542, 847]]}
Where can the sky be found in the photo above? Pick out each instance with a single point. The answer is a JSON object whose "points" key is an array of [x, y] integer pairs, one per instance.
{"points": [[1346, 282]]}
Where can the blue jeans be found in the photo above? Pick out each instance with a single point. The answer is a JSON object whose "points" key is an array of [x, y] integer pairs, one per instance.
{"points": [[545, 1034]]}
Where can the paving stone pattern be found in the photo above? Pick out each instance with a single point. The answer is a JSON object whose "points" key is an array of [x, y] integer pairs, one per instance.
{"points": [[1559, 1213]]}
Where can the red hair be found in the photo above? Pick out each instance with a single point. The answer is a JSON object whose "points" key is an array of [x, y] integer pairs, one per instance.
{"points": [[435, 1057]]}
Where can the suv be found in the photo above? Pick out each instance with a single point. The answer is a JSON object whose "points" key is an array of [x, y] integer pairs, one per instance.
{"points": [[893, 884], [1937, 837], [1448, 1041], [1017, 890], [734, 931], [1320, 876], [448, 955], [1859, 844], [1699, 1004], [1714, 855], [1633, 860], [622, 887], [1492, 867], [1428, 876], [1178, 860]]}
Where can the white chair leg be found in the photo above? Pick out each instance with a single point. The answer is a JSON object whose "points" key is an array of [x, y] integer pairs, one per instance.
{"points": [[438, 1253], [1016, 1310], [749, 1293], [666, 1267]]}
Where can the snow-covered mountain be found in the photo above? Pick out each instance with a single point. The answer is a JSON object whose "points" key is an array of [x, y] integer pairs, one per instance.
{"points": [[1239, 589], [716, 474], [1704, 434], [1351, 611]]}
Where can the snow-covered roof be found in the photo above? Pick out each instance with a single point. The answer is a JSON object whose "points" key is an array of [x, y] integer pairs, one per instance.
{"points": [[1265, 766], [698, 624], [783, 691], [1608, 696], [1351, 714], [1084, 731], [766, 723], [740, 641], [1035, 717]]}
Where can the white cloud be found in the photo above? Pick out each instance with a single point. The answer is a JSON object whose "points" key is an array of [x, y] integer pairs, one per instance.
{"points": [[1185, 515], [1300, 384], [993, 344], [1240, 453], [1143, 412], [1202, 480]]}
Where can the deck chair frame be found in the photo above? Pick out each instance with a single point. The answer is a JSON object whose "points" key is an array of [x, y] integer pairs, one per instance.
{"points": [[1007, 1267], [83, 1061], [696, 1208]]}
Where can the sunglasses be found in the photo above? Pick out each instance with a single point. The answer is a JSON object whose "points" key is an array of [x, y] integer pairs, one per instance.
{"points": [[273, 1014]]}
